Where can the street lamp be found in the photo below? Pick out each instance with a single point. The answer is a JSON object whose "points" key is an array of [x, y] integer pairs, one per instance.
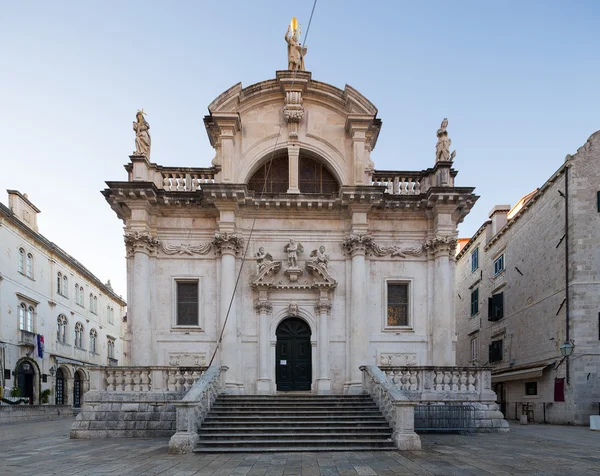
{"points": [[52, 370], [567, 348]]}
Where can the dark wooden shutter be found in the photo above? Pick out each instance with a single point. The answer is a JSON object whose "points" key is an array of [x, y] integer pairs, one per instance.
{"points": [[559, 390], [490, 309], [187, 303]]}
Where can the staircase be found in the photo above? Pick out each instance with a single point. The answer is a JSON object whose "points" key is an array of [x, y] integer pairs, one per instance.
{"points": [[242, 424]]}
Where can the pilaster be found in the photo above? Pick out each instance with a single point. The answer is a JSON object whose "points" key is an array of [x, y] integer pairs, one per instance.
{"points": [[323, 311]]}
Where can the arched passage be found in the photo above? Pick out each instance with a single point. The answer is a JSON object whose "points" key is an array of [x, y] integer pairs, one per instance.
{"points": [[26, 380], [293, 360], [78, 389], [61, 386]]}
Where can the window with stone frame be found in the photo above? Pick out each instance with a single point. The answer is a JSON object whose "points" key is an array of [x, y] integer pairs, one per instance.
{"points": [[110, 345], [530, 388], [93, 340], [499, 265], [21, 258], [29, 266], [65, 286], [61, 329], [474, 301], [495, 351], [397, 304], [26, 313], [496, 307], [59, 282], [474, 348], [91, 302], [474, 260], [187, 303], [79, 335], [95, 304]]}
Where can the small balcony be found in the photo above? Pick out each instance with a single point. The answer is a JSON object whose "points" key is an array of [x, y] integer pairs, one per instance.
{"points": [[27, 338], [112, 362]]}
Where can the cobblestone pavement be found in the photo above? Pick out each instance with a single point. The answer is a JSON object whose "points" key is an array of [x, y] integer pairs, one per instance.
{"points": [[41, 448]]}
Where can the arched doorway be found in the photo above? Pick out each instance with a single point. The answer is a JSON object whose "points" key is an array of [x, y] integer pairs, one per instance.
{"points": [[26, 374], [77, 389], [60, 387], [293, 355]]}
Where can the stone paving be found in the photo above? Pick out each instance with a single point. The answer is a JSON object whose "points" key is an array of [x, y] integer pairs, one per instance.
{"points": [[41, 448]]}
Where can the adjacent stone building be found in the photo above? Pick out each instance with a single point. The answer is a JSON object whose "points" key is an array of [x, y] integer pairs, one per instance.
{"points": [[47, 296], [346, 265], [527, 282]]}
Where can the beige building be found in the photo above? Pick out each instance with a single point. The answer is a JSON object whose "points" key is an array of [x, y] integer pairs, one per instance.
{"points": [[516, 305], [47, 294]]}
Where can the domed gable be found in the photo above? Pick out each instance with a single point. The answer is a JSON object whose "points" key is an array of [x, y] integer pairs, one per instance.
{"points": [[308, 121]]}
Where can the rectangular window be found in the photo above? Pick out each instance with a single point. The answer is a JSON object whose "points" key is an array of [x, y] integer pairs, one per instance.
{"points": [[475, 259], [474, 301], [397, 304], [474, 348], [496, 307], [530, 388], [187, 303], [495, 351], [559, 390], [499, 265]]}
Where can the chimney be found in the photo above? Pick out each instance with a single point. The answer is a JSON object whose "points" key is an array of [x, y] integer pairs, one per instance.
{"points": [[23, 209], [498, 215]]}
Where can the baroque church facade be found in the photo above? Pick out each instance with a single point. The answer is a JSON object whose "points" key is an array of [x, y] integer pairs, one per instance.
{"points": [[291, 260]]}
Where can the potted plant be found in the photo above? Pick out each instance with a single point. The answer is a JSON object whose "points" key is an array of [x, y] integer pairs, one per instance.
{"points": [[45, 396]]}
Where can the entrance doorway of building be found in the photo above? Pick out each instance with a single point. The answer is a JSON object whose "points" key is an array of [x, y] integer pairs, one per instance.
{"points": [[501, 397], [60, 387], [77, 390], [25, 382], [293, 355]]}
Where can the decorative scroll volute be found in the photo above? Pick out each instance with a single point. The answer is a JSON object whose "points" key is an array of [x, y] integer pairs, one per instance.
{"points": [[441, 245], [293, 112], [143, 242], [228, 243], [357, 244], [323, 306], [262, 306]]}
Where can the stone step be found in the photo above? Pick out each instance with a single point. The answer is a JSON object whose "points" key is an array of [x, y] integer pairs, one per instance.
{"points": [[316, 435], [252, 424], [294, 406], [293, 418], [324, 442], [290, 412], [288, 449]]}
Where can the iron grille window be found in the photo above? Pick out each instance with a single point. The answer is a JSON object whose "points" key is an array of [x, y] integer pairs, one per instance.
{"points": [[474, 259], [313, 177], [277, 175], [187, 303], [495, 351], [474, 301], [499, 265], [496, 307], [530, 388], [397, 304]]}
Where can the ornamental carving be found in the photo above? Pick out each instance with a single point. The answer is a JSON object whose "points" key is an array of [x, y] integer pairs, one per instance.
{"points": [[187, 359], [140, 241], [323, 307], [320, 258], [263, 307], [397, 359], [441, 244], [263, 259], [228, 243], [318, 278], [293, 309], [357, 243], [396, 250], [293, 112], [186, 249]]}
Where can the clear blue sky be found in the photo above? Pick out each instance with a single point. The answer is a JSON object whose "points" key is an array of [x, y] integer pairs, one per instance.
{"points": [[518, 81]]}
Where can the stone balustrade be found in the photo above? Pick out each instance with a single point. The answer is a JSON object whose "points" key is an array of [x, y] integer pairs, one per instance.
{"points": [[442, 383], [143, 379], [397, 408], [185, 179], [398, 183], [193, 408]]}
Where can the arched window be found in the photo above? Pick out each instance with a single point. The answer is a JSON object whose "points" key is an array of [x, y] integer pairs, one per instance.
{"points": [[61, 329], [79, 297], [91, 302], [29, 268], [111, 349], [314, 177], [95, 304], [30, 319], [21, 258], [65, 286], [93, 340], [23, 316], [272, 177], [59, 283], [79, 335]]}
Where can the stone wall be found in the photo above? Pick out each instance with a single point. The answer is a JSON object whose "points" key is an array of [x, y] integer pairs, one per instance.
{"points": [[126, 415], [19, 413]]}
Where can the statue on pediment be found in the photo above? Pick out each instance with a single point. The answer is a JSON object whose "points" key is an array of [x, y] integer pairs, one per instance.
{"points": [[292, 249], [263, 259], [442, 148], [142, 136], [295, 50], [320, 258]]}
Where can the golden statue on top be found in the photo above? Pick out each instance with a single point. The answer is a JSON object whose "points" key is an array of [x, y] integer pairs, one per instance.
{"points": [[295, 50]]}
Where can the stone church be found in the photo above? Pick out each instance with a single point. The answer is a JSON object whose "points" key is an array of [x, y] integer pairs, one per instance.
{"points": [[291, 260]]}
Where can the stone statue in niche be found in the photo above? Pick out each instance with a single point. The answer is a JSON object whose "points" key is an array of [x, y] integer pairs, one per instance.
{"points": [[263, 259], [293, 309], [320, 257], [295, 50], [442, 148], [142, 136], [292, 249]]}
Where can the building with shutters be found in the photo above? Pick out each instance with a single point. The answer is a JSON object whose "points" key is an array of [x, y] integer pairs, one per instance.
{"points": [[47, 294], [527, 282], [339, 264]]}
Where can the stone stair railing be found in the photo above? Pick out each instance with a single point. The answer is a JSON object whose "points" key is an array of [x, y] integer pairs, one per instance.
{"points": [[397, 408], [193, 408], [142, 379]]}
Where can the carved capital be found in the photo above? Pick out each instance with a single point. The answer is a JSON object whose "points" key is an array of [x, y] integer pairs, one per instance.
{"points": [[143, 242], [226, 243], [263, 307], [355, 244], [441, 244], [323, 307]]}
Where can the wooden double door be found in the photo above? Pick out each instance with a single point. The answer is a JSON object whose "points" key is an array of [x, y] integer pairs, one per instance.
{"points": [[293, 355]]}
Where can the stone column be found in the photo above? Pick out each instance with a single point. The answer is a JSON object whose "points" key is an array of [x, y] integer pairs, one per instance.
{"points": [[293, 156], [140, 246], [323, 309], [356, 246], [264, 309], [227, 246], [440, 250]]}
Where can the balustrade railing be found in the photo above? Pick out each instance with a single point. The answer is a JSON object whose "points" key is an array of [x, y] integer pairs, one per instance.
{"points": [[399, 183], [141, 379], [185, 180]]}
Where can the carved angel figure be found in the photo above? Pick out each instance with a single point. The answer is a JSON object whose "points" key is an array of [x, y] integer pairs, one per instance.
{"points": [[295, 50], [263, 259], [320, 257], [292, 249], [142, 136]]}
